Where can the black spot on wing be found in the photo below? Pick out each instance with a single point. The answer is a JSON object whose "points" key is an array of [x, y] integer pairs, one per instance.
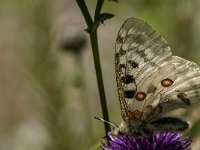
{"points": [[182, 96], [119, 39], [128, 79], [141, 53], [129, 93], [122, 52], [122, 65], [133, 64]]}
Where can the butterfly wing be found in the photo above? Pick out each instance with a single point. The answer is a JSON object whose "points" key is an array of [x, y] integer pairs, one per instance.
{"points": [[141, 53], [148, 75], [182, 93], [186, 88], [187, 82]]}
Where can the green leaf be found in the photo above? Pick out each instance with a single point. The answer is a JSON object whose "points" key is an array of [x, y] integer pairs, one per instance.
{"points": [[105, 16]]}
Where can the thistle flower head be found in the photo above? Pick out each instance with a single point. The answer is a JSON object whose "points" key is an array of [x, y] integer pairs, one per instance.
{"points": [[157, 141]]}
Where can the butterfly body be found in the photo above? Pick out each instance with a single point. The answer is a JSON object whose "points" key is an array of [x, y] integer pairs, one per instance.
{"points": [[138, 127], [151, 82]]}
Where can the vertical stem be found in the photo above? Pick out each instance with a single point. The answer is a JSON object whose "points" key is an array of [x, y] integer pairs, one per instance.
{"points": [[95, 50], [98, 10], [92, 30], [85, 12]]}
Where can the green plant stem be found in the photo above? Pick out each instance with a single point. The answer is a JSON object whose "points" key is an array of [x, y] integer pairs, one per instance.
{"points": [[85, 12], [94, 43], [98, 10], [92, 30]]}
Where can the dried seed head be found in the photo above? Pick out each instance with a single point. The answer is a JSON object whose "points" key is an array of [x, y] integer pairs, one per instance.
{"points": [[72, 39]]}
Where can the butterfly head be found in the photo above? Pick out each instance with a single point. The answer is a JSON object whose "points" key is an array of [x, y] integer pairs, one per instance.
{"points": [[132, 127]]}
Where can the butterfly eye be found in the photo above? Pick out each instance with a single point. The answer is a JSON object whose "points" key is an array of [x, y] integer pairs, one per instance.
{"points": [[167, 82], [140, 96]]}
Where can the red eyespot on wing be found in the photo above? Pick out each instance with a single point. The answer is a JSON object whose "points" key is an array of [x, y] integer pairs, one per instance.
{"points": [[135, 114], [167, 82], [140, 96]]}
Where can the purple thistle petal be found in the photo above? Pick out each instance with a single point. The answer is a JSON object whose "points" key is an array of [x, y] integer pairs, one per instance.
{"points": [[157, 141]]}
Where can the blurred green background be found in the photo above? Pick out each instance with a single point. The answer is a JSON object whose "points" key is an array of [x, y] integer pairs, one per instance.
{"points": [[48, 89]]}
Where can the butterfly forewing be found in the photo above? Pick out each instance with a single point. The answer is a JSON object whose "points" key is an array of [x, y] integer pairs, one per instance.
{"points": [[148, 75], [140, 51]]}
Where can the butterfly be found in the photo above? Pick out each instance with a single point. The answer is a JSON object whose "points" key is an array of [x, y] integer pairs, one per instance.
{"points": [[151, 82]]}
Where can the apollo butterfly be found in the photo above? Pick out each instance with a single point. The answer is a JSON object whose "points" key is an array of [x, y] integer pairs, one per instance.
{"points": [[151, 82]]}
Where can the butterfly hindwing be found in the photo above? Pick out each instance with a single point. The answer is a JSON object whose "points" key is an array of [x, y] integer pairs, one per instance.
{"points": [[184, 91], [187, 85]]}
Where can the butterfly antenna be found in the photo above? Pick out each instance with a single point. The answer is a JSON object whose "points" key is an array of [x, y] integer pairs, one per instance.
{"points": [[113, 124]]}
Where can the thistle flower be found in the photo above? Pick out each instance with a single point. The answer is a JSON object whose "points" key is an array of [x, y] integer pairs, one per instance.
{"points": [[157, 141]]}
